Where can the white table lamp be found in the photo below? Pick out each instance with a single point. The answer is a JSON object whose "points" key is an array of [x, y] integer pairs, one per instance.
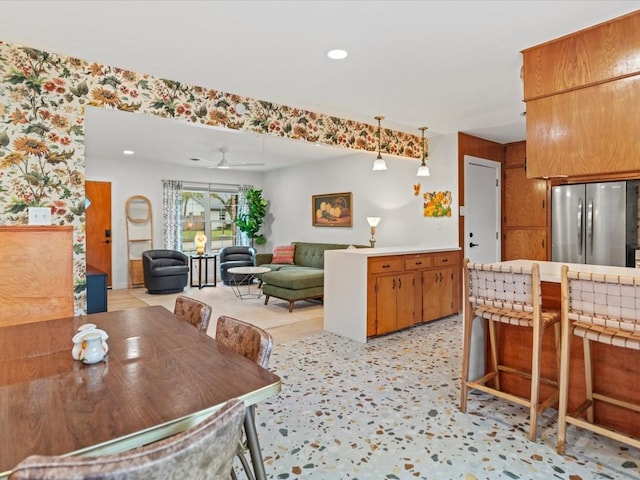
{"points": [[373, 223]]}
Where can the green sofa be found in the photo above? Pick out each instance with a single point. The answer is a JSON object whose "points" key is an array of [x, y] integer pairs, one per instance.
{"points": [[303, 280]]}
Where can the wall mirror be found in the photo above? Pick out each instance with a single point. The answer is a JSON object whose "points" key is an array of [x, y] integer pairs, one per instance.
{"points": [[138, 209], [139, 236]]}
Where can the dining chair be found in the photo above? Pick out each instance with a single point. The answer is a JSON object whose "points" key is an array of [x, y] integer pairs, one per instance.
{"points": [[194, 311], [603, 309], [254, 343], [508, 295], [204, 451]]}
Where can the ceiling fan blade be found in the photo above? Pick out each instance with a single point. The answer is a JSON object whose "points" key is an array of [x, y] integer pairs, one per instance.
{"points": [[223, 163], [247, 164]]}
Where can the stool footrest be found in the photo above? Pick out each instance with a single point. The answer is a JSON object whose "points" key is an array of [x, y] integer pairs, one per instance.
{"points": [[614, 401], [620, 437], [527, 375], [507, 396]]}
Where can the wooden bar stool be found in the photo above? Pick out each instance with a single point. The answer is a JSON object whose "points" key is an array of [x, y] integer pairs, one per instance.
{"points": [[605, 309], [510, 295]]}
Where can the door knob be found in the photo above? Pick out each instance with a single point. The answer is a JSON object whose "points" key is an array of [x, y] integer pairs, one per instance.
{"points": [[471, 244]]}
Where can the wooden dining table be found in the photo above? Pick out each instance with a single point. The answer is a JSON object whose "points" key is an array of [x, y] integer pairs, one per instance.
{"points": [[160, 377]]}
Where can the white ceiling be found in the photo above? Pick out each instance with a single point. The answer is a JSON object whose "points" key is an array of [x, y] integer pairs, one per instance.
{"points": [[449, 65]]}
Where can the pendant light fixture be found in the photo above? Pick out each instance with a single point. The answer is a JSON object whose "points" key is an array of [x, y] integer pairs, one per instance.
{"points": [[423, 169], [379, 163]]}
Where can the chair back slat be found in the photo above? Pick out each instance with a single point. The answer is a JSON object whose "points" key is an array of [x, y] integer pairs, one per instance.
{"points": [[610, 301], [501, 286]]}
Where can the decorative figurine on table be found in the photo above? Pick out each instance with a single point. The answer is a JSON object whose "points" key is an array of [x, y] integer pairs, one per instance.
{"points": [[90, 344], [200, 240]]}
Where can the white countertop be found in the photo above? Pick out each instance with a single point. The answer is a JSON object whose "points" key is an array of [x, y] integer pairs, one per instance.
{"points": [[550, 271], [379, 251]]}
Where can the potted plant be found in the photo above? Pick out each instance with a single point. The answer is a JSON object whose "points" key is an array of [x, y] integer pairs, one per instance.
{"points": [[250, 222]]}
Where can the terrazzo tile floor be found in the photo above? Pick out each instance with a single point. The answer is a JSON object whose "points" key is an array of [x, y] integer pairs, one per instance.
{"points": [[389, 410]]}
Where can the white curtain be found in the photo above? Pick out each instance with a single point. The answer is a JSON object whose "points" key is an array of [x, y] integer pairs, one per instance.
{"points": [[243, 207], [171, 211]]}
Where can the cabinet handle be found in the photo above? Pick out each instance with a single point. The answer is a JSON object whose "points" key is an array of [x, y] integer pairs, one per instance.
{"points": [[418, 263], [440, 276], [386, 266], [399, 283], [394, 284], [445, 260]]}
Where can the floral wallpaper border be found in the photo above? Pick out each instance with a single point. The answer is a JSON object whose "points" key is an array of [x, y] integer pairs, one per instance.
{"points": [[43, 96]]}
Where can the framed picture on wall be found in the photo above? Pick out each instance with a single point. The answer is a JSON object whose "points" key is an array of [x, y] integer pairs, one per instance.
{"points": [[332, 210]]}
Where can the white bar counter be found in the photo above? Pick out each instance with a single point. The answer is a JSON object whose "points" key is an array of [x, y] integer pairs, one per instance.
{"points": [[345, 287]]}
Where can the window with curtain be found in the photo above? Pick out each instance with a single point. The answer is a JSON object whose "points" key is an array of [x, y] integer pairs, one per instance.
{"points": [[211, 209]]}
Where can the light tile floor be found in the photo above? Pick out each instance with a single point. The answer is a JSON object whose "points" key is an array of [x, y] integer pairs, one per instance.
{"points": [[389, 410]]}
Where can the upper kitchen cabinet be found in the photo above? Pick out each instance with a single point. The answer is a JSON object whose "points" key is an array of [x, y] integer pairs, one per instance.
{"points": [[582, 92]]}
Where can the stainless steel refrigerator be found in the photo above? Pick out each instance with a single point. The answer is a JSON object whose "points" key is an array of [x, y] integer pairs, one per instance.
{"points": [[595, 223]]}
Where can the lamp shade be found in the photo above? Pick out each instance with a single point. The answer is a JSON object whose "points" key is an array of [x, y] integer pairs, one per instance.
{"points": [[200, 241], [379, 164], [423, 171], [373, 221]]}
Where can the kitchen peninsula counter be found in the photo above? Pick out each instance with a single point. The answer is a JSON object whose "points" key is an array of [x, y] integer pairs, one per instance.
{"points": [[375, 291], [616, 370]]}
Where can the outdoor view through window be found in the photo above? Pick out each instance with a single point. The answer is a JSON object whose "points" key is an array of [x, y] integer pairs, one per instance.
{"points": [[212, 212]]}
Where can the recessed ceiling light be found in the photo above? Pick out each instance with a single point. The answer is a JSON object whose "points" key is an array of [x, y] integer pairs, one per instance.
{"points": [[337, 54], [128, 152]]}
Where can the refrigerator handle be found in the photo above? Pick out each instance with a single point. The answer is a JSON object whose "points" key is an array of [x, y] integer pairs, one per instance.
{"points": [[590, 226], [580, 226]]}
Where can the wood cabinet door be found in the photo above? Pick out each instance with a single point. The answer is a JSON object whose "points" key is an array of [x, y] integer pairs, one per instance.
{"points": [[526, 244], [515, 154], [430, 294], [445, 296], [600, 127], [386, 300], [438, 298], [524, 199], [405, 298]]}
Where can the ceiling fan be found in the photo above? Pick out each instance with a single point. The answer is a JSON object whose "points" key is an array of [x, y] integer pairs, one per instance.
{"points": [[224, 163]]}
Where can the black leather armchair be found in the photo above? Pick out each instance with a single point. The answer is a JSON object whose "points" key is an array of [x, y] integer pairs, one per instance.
{"points": [[165, 271], [236, 256]]}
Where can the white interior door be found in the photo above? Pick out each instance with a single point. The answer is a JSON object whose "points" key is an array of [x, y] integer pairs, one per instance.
{"points": [[481, 235], [481, 210]]}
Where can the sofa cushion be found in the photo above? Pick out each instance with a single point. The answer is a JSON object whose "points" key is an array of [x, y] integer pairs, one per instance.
{"points": [[276, 267], [283, 254], [295, 278], [312, 254], [292, 295]]}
